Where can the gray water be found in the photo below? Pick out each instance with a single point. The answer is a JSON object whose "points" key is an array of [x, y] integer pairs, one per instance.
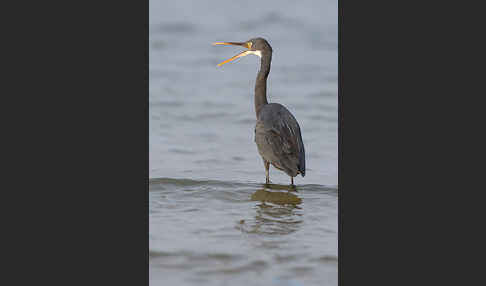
{"points": [[212, 220]]}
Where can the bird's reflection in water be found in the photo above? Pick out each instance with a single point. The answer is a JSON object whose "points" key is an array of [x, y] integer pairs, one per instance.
{"points": [[276, 197], [290, 188], [277, 213]]}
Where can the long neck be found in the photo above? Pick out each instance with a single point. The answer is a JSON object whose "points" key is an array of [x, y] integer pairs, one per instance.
{"points": [[261, 82]]}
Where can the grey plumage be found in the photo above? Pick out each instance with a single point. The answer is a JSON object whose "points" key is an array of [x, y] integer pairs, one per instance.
{"points": [[279, 141], [277, 132]]}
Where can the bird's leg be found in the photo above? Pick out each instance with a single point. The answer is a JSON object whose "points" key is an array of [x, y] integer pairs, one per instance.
{"points": [[292, 186], [267, 168]]}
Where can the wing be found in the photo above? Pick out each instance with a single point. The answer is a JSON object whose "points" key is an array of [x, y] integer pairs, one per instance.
{"points": [[281, 134]]}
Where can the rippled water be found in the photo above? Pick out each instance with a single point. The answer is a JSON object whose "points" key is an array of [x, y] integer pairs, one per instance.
{"points": [[212, 221], [245, 233]]}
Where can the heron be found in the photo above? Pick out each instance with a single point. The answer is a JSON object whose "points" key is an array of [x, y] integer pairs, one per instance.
{"points": [[277, 132]]}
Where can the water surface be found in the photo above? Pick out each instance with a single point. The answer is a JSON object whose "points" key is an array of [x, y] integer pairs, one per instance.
{"points": [[206, 232]]}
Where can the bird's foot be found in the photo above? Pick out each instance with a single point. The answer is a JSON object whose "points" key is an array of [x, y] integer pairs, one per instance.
{"points": [[268, 182]]}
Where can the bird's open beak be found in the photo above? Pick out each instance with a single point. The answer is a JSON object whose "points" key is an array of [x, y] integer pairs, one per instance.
{"points": [[242, 54]]}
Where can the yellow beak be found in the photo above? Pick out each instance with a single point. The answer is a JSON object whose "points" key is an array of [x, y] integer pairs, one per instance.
{"points": [[242, 54]]}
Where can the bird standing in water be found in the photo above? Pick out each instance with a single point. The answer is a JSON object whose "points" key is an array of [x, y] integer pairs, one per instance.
{"points": [[277, 132]]}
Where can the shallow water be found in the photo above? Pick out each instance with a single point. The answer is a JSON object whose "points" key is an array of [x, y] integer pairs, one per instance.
{"points": [[208, 222], [246, 233]]}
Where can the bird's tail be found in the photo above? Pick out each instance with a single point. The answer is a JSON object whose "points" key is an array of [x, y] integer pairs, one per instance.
{"points": [[301, 165], [302, 169]]}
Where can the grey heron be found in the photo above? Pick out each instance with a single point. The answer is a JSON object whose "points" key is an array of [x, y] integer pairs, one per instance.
{"points": [[277, 132]]}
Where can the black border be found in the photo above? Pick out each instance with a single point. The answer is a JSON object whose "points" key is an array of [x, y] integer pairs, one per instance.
{"points": [[80, 144], [406, 111]]}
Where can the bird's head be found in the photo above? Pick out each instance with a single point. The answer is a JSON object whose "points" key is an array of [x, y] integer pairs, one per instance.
{"points": [[256, 46]]}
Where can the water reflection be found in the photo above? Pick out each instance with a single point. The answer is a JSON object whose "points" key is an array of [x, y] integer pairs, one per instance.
{"points": [[278, 212], [275, 197], [290, 188]]}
